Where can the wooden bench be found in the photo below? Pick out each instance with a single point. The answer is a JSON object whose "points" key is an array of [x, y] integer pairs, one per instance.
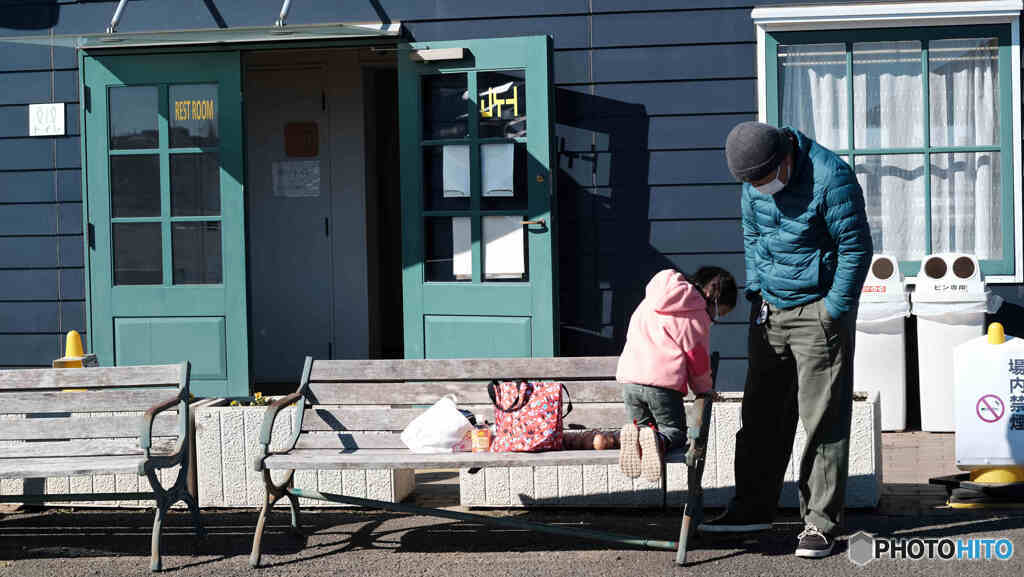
{"points": [[62, 422], [349, 415]]}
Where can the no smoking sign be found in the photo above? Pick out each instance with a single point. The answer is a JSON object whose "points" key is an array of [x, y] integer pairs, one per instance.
{"points": [[990, 408]]}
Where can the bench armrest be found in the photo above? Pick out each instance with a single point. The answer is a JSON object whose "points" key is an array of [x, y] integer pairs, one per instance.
{"points": [[270, 417], [146, 436], [266, 432]]}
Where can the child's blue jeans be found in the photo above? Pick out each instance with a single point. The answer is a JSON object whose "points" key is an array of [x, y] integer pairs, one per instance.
{"points": [[663, 407]]}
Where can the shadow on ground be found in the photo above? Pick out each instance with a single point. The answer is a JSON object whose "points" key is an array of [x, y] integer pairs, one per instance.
{"points": [[61, 533], [55, 534]]}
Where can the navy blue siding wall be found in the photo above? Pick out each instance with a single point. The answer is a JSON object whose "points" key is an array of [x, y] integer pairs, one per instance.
{"points": [[646, 91], [42, 286]]}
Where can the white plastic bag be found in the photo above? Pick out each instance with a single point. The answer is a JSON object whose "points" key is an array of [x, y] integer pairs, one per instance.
{"points": [[884, 311], [954, 313], [882, 318], [438, 429]]}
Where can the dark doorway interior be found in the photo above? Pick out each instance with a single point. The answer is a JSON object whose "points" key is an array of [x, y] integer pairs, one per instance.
{"points": [[384, 213]]}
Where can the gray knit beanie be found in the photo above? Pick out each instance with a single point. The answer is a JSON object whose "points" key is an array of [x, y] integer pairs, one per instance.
{"points": [[754, 150]]}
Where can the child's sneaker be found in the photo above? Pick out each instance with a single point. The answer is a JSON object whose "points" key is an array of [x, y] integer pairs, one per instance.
{"points": [[629, 450], [652, 447]]}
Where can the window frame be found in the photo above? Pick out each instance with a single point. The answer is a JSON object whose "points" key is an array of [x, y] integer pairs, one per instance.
{"points": [[475, 209], [924, 21], [165, 152]]}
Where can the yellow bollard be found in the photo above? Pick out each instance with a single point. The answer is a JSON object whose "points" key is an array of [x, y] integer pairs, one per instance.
{"points": [[997, 475], [74, 356], [996, 334], [73, 346]]}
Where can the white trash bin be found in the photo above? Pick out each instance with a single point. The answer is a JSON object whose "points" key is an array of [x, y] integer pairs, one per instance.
{"points": [[880, 359], [950, 301]]}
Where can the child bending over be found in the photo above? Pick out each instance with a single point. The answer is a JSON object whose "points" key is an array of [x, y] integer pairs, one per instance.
{"points": [[667, 350]]}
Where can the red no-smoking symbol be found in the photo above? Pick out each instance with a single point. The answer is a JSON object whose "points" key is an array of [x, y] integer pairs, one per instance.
{"points": [[990, 408]]}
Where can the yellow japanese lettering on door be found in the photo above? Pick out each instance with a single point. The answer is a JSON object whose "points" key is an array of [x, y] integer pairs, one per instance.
{"points": [[490, 104]]}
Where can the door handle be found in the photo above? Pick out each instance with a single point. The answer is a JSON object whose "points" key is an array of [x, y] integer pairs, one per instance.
{"points": [[541, 222]]}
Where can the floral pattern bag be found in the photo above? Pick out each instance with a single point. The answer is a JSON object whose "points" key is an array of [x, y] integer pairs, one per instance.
{"points": [[528, 416]]}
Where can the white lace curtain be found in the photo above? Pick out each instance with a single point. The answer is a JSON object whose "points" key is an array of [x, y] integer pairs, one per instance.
{"points": [[887, 93]]}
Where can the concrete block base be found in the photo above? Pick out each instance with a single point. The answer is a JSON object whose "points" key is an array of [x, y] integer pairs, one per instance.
{"points": [[606, 486], [227, 439]]}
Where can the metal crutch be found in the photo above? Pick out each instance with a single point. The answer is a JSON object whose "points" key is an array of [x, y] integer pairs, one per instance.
{"points": [[693, 512]]}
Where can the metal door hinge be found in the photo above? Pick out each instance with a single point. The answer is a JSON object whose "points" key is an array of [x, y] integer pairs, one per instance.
{"points": [[327, 226], [330, 350], [323, 100], [91, 235]]}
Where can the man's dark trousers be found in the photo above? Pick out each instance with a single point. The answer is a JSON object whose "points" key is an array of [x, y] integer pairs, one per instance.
{"points": [[801, 365]]}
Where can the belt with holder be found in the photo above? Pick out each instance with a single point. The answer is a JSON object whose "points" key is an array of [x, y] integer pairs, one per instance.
{"points": [[762, 314]]}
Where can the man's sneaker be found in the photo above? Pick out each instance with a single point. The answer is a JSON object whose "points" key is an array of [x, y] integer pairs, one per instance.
{"points": [[651, 450], [813, 543], [732, 522], [629, 450]]}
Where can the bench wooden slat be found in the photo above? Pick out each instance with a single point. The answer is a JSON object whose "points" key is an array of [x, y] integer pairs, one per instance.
{"points": [[558, 368], [118, 426], [377, 418], [404, 459], [362, 418], [48, 467], [35, 401], [419, 392], [356, 440], [91, 378], [85, 448]]}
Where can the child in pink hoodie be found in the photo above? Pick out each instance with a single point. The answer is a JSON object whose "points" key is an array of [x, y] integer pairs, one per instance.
{"points": [[667, 350]]}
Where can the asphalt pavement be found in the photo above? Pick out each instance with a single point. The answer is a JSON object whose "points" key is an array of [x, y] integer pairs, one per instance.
{"points": [[61, 542]]}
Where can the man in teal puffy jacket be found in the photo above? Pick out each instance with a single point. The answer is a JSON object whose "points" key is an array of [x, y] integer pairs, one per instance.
{"points": [[807, 247]]}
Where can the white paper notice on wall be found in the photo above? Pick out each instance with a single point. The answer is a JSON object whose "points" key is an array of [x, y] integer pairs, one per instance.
{"points": [[296, 178], [46, 119], [504, 256], [498, 168], [462, 258], [456, 171]]}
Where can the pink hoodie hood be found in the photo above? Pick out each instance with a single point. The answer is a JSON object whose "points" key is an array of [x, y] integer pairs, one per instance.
{"points": [[669, 293], [669, 337]]}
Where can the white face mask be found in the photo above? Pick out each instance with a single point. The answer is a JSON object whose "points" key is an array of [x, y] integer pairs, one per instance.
{"points": [[713, 313], [774, 186]]}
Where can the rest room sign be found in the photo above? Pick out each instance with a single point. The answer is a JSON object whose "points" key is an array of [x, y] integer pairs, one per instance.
{"points": [[195, 115], [185, 110]]}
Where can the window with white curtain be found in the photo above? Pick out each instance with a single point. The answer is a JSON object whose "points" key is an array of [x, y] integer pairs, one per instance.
{"points": [[923, 117]]}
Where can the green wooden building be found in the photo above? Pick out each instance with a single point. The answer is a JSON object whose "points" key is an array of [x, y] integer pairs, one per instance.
{"points": [[241, 184]]}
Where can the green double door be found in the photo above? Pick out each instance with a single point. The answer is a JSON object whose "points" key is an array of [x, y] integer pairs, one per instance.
{"points": [[164, 189], [477, 192]]}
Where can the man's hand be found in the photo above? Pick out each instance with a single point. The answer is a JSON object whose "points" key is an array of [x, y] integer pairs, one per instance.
{"points": [[691, 455]]}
